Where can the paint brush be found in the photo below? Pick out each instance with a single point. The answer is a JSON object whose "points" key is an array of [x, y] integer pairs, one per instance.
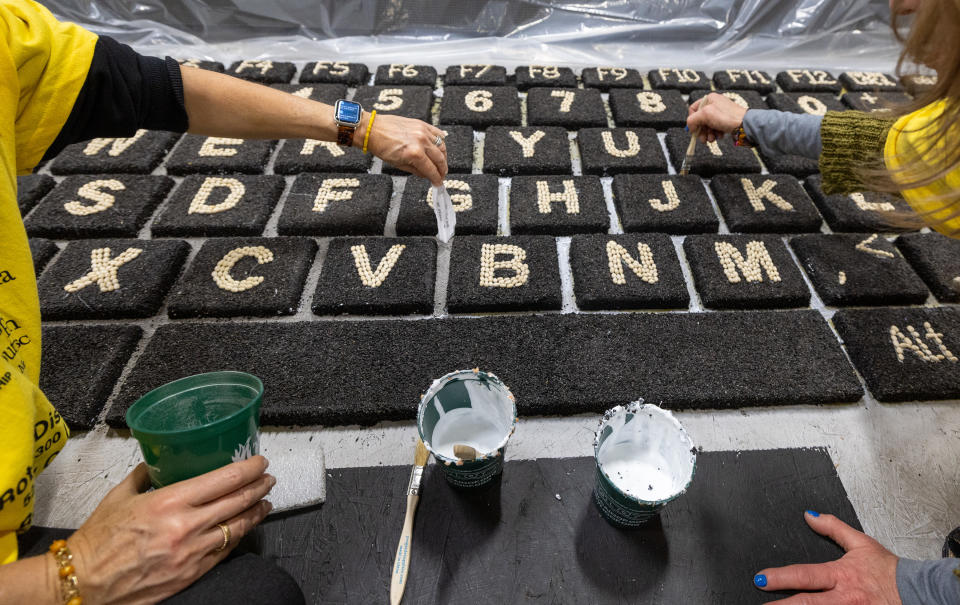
{"points": [[401, 563], [464, 452], [692, 146]]}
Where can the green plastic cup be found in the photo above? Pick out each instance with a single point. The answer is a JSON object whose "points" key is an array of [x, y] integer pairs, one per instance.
{"points": [[645, 459], [472, 408], [197, 424]]}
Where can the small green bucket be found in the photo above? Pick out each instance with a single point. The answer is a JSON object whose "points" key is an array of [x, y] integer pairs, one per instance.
{"points": [[197, 424], [472, 408], [644, 458]]}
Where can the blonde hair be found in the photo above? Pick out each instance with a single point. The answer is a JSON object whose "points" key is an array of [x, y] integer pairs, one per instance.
{"points": [[933, 41]]}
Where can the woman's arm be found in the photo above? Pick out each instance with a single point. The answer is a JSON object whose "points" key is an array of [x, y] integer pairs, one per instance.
{"points": [[221, 105], [125, 91], [30, 580], [840, 141]]}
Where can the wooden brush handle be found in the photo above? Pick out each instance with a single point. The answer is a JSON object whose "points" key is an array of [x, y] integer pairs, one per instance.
{"points": [[401, 563]]}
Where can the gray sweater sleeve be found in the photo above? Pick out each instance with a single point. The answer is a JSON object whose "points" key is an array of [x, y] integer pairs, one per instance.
{"points": [[783, 132], [928, 582]]}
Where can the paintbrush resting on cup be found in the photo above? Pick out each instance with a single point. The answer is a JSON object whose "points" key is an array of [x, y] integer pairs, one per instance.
{"points": [[401, 563], [692, 146]]}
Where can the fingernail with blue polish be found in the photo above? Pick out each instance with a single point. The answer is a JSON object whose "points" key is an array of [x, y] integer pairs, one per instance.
{"points": [[687, 128], [760, 580], [813, 513]]}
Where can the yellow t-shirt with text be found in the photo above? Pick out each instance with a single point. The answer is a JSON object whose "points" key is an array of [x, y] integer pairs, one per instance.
{"points": [[43, 64]]}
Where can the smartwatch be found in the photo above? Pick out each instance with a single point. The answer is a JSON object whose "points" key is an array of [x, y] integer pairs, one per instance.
{"points": [[347, 116]]}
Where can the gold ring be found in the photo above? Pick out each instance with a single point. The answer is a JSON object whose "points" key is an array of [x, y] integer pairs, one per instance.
{"points": [[226, 537], [439, 140]]}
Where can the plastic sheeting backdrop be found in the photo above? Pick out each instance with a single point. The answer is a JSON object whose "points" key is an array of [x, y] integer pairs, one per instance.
{"points": [[849, 34]]}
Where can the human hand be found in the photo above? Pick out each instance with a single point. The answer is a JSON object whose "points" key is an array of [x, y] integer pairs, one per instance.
{"points": [[866, 574], [407, 144], [141, 547], [720, 116]]}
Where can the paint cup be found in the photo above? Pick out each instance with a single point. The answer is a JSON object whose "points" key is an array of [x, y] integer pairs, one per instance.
{"points": [[197, 424], [467, 408], [644, 460]]}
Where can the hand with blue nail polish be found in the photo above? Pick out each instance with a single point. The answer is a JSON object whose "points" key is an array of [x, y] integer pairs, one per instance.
{"points": [[867, 573]]}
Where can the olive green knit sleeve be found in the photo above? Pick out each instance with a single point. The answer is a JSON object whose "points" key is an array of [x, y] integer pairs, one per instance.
{"points": [[850, 139]]}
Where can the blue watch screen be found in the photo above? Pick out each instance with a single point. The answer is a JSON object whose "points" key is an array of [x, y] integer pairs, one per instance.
{"points": [[349, 112]]}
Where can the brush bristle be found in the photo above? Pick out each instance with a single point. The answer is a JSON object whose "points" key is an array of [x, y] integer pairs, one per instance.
{"points": [[420, 459]]}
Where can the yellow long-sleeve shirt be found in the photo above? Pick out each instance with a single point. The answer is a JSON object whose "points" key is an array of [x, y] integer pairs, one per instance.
{"points": [[43, 65]]}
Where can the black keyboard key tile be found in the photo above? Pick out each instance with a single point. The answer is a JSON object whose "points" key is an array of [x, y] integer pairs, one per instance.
{"points": [[30, 190], [917, 84], [744, 79], [748, 99], [606, 78], [401, 74], [216, 66], [244, 277], [684, 80], [794, 165], [108, 205], [198, 154], [904, 354], [310, 155], [557, 205], [509, 150], [627, 272], [80, 365], [263, 71], [571, 108], [808, 80], [480, 107], [858, 269], [336, 204], [813, 103], [529, 76], [660, 109], [42, 251], [324, 93], [408, 101], [475, 200], [869, 81], [875, 102], [609, 151], [764, 203], [744, 271], [335, 72], [459, 145], [665, 203], [858, 212], [377, 276], [720, 156], [204, 206], [138, 154], [936, 258], [519, 273], [475, 75], [106, 279]]}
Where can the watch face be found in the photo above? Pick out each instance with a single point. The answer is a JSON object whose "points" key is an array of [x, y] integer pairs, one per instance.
{"points": [[348, 112]]}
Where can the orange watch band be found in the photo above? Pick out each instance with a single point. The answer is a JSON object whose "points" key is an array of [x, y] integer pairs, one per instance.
{"points": [[345, 135]]}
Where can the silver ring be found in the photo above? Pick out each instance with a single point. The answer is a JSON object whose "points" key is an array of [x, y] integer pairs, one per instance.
{"points": [[439, 140]]}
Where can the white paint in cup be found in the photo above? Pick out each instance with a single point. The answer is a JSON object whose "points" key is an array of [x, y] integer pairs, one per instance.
{"points": [[648, 455]]}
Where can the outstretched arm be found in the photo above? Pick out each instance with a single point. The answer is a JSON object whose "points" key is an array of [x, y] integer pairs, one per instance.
{"points": [[221, 105]]}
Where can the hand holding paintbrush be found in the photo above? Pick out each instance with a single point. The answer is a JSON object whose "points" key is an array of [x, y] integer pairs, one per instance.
{"points": [[724, 116]]}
